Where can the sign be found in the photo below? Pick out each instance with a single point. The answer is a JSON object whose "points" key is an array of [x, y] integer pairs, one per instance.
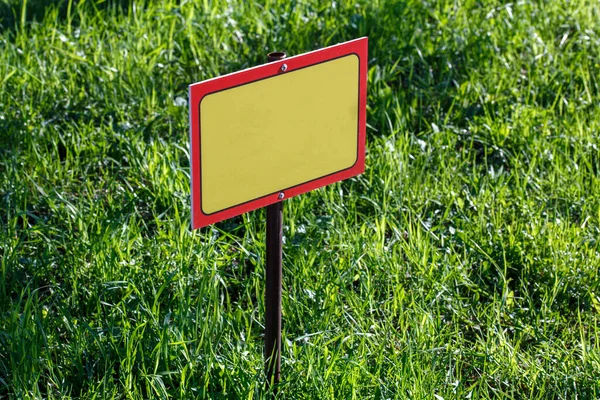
{"points": [[278, 130]]}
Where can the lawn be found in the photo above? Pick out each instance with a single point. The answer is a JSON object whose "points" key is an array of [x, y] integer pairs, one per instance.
{"points": [[462, 264]]}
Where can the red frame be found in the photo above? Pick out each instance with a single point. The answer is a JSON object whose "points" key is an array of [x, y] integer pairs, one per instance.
{"points": [[198, 90]]}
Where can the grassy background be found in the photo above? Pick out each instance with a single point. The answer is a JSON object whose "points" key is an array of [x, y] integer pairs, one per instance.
{"points": [[462, 264]]}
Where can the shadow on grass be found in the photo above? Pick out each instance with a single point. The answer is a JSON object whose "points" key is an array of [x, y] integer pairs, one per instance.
{"points": [[12, 14]]}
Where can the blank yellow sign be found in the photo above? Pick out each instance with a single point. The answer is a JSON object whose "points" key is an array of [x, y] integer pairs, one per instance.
{"points": [[278, 132]]}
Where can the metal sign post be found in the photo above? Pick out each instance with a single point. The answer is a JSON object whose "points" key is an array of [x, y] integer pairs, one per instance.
{"points": [[272, 132], [273, 294], [273, 281]]}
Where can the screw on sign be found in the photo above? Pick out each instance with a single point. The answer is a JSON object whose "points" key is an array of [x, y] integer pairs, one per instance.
{"points": [[272, 132]]}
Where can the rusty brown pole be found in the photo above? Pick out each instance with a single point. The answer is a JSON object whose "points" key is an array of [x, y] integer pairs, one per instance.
{"points": [[273, 282]]}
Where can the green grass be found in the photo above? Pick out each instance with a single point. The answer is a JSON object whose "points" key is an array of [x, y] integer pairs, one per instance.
{"points": [[462, 264]]}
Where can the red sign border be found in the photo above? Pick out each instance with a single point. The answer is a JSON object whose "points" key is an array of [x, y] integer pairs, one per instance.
{"points": [[197, 92]]}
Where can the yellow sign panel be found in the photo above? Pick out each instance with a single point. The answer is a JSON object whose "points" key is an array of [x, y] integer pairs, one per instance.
{"points": [[278, 132]]}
